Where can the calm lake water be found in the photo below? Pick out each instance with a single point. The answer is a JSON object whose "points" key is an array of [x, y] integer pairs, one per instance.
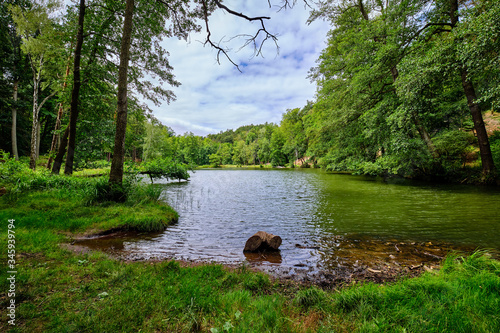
{"points": [[317, 215]]}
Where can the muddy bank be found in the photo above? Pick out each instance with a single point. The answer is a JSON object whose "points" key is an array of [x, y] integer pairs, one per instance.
{"points": [[348, 261], [337, 261]]}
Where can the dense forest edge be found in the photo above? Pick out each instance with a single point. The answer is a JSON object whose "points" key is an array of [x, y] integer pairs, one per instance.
{"points": [[407, 89]]}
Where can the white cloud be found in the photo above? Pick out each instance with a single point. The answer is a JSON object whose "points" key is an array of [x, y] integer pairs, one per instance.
{"points": [[216, 97]]}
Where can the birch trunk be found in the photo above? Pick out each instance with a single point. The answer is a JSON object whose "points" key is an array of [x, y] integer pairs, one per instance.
{"points": [[14, 120], [34, 128]]}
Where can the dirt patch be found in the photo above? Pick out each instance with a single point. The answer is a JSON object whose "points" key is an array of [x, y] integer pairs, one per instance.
{"points": [[76, 249], [492, 122]]}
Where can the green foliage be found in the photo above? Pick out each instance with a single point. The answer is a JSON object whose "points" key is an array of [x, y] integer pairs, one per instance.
{"points": [[96, 164], [215, 160], [10, 169], [165, 168], [465, 289], [478, 41], [390, 93], [389, 90], [453, 148], [104, 191], [495, 147]]}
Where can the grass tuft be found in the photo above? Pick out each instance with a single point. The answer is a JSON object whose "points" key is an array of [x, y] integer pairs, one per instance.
{"points": [[310, 297]]}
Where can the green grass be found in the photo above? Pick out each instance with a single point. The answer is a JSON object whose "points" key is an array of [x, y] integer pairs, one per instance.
{"points": [[463, 297], [59, 210], [93, 293], [91, 172], [61, 291]]}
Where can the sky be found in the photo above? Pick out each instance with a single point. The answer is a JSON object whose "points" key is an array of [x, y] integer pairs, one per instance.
{"points": [[215, 97]]}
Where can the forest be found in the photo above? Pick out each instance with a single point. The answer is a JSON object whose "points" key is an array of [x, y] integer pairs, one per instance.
{"points": [[406, 88]]}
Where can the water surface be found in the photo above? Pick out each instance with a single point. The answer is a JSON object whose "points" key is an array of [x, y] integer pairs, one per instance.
{"points": [[325, 220]]}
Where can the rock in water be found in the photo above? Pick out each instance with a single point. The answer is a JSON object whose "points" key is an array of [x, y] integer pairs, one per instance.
{"points": [[262, 241]]}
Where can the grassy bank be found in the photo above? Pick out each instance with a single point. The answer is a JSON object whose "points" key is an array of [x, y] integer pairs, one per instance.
{"points": [[61, 291]]}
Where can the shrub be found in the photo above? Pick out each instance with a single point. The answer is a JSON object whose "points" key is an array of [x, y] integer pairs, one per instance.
{"points": [[495, 148], [453, 148], [11, 170], [165, 168]]}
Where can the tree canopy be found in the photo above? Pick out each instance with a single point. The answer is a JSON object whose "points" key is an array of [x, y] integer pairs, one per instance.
{"points": [[406, 87]]}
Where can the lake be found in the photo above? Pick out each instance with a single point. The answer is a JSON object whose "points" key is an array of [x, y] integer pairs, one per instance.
{"points": [[325, 220]]}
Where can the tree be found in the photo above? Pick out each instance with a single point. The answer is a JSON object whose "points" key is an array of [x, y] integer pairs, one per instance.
{"points": [[97, 72], [447, 38], [293, 128], [75, 92], [278, 158], [390, 73], [40, 43], [11, 68], [183, 16], [136, 131], [356, 77]]}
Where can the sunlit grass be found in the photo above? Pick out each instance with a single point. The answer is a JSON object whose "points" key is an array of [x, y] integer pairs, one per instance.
{"points": [[92, 172]]}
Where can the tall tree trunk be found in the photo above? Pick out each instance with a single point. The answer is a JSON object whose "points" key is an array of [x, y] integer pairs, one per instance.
{"points": [[477, 117], [60, 112], [38, 135], [116, 173], [14, 119], [34, 128], [73, 117], [475, 110], [56, 136], [56, 168]]}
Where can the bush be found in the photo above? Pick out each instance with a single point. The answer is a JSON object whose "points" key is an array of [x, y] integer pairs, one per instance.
{"points": [[215, 160], [105, 191], [165, 168], [495, 148], [99, 164], [11, 170], [453, 148]]}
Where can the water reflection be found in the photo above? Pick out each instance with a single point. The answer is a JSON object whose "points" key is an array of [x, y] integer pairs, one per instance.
{"points": [[116, 242], [273, 257]]}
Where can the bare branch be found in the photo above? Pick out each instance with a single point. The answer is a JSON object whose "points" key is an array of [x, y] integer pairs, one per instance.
{"points": [[215, 46], [177, 20], [230, 11], [251, 39]]}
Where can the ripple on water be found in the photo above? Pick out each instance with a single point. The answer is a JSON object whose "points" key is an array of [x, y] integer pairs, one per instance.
{"points": [[336, 220]]}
